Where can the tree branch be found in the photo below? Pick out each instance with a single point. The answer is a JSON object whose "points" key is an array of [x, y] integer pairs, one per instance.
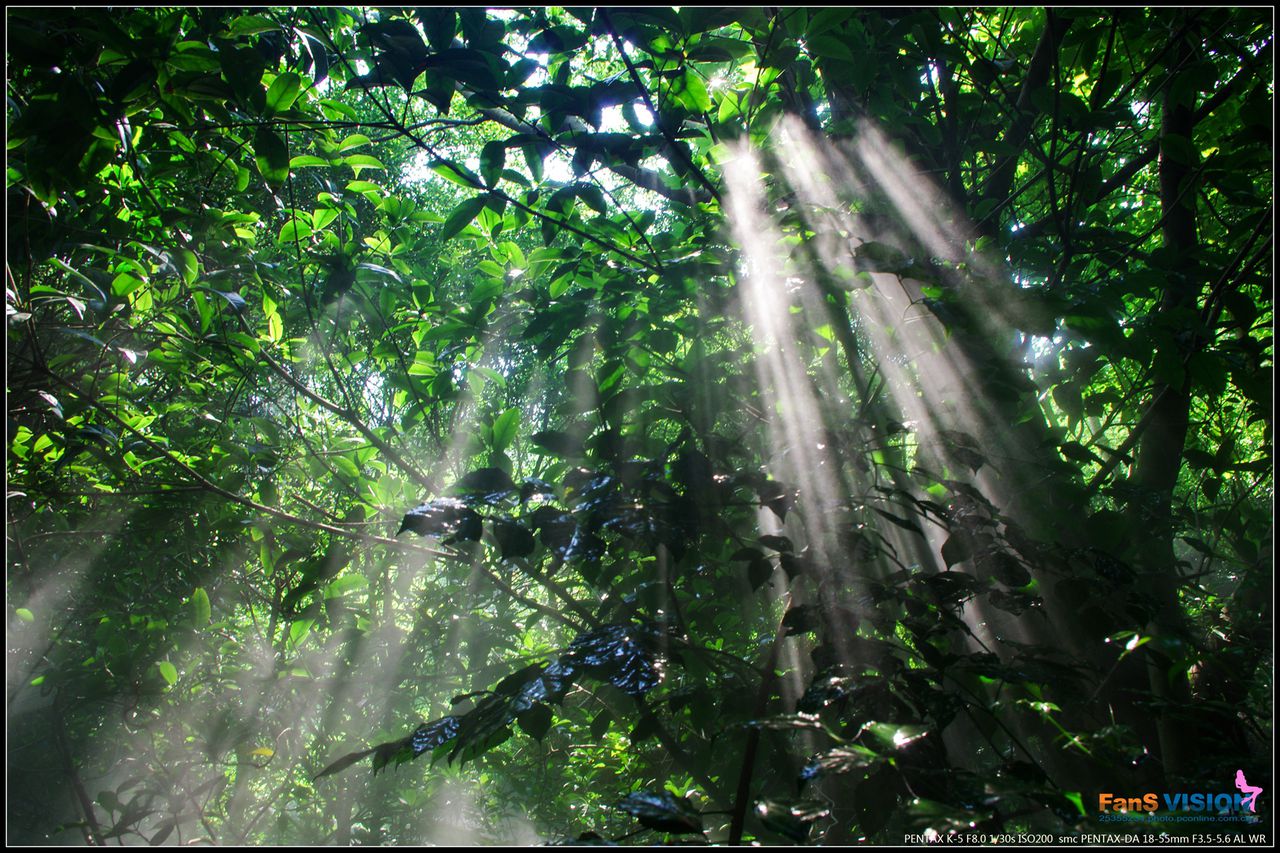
{"points": [[672, 144], [1042, 62]]}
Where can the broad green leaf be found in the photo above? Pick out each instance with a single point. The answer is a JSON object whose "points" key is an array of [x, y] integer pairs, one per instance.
{"points": [[201, 612], [272, 156], [461, 217], [352, 142], [188, 265], [124, 284], [694, 97], [363, 161], [283, 92], [322, 217], [459, 175], [492, 159], [533, 156], [299, 630], [504, 429], [168, 672], [344, 585], [293, 230]]}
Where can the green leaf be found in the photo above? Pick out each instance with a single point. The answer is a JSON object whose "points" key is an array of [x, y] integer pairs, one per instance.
{"points": [[594, 197], [124, 284], [533, 157], [168, 672], [299, 630], [272, 156], [459, 175], [188, 265], [363, 161], [283, 92], [694, 96], [345, 584], [322, 217], [493, 158], [504, 429], [294, 229], [201, 612], [461, 217], [1067, 396], [355, 140]]}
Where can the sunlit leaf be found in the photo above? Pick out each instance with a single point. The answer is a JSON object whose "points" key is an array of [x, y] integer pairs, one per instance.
{"points": [[168, 672], [283, 92], [200, 608]]}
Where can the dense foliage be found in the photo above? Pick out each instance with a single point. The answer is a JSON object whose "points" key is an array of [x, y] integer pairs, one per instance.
{"points": [[752, 425]]}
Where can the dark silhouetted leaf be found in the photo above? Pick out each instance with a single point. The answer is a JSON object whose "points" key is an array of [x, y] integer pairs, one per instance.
{"points": [[272, 157], [492, 158], [442, 517], [791, 820], [513, 539], [958, 547], [777, 543], [952, 587], [795, 564], [1007, 569], [901, 522], [461, 217], [428, 736], [842, 759], [783, 722], [559, 443], [645, 727], [623, 655], [801, 619], [662, 812], [758, 572], [344, 762], [1013, 602], [534, 487], [489, 484], [535, 721]]}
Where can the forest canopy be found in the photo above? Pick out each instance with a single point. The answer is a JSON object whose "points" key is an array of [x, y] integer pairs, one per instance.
{"points": [[773, 426]]}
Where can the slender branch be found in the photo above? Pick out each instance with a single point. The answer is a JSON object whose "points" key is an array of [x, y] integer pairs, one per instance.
{"points": [[1124, 175], [646, 178], [92, 830], [549, 612], [346, 414], [672, 143], [558, 591], [208, 485], [1042, 63], [422, 144]]}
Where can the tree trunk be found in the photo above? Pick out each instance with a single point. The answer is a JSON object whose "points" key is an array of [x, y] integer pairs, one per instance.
{"points": [[1159, 456]]}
